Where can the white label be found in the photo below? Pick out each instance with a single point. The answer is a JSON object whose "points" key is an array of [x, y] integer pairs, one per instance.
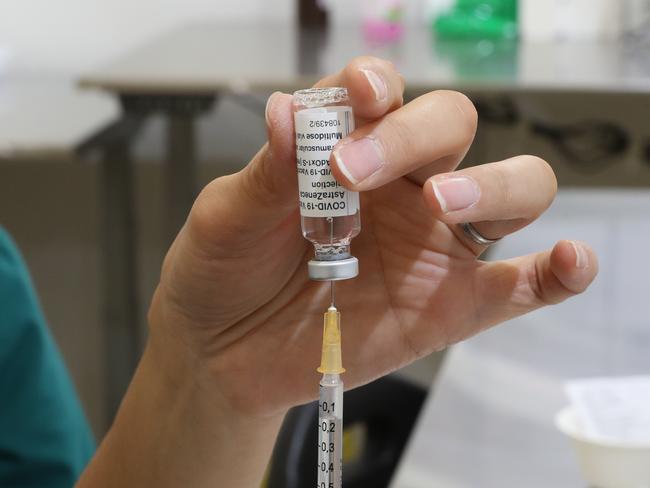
{"points": [[317, 132]]}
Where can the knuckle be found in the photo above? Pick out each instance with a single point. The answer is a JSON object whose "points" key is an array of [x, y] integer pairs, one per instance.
{"points": [[469, 114], [536, 286], [538, 163], [212, 222], [397, 140], [546, 171], [503, 182], [204, 216], [539, 288], [545, 176], [367, 61], [352, 69], [462, 113], [260, 184], [387, 67], [257, 180]]}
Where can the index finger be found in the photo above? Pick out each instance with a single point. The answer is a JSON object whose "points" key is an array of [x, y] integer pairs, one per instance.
{"points": [[374, 85]]}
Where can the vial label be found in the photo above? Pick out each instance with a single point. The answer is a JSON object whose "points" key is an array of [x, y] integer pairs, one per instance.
{"points": [[317, 132]]}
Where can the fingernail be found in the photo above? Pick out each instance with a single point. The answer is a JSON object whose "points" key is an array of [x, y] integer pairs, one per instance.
{"points": [[455, 192], [359, 159], [377, 84], [267, 110], [582, 258]]}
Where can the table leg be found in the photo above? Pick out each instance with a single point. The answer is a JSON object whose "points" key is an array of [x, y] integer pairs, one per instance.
{"points": [[181, 112], [120, 315], [121, 333], [180, 171], [121, 305]]}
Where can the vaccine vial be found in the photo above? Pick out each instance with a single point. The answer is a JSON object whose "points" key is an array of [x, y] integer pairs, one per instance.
{"points": [[329, 212]]}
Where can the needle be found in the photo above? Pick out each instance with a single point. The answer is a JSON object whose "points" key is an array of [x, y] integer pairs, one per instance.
{"points": [[332, 292]]}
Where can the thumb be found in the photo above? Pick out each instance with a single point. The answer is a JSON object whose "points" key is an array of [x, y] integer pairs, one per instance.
{"points": [[242, 207], [270, 179]]}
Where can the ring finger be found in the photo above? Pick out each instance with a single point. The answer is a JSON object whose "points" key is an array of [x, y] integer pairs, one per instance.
{"points": [[497, 198]]}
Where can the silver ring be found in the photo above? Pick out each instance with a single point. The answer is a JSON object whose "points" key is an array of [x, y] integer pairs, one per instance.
{"points": [[470, 231]]}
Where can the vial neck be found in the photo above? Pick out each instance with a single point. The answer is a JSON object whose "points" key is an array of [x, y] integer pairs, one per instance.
{"points": [[331, 252]]}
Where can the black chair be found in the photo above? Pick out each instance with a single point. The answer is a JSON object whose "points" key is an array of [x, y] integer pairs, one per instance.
{"points": [[385, 410]]}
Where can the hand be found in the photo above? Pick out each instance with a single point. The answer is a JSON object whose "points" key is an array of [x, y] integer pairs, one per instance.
{"points": [[234, 288], [236, 326]]}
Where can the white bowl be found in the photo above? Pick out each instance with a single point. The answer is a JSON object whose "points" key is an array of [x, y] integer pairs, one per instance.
{"points": [[606, 464]]}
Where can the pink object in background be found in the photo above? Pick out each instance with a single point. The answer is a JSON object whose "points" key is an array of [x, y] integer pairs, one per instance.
{"points": [[382, 19]]}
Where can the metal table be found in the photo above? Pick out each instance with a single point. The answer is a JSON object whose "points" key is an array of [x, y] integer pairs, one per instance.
{"points": [[182, 73]]}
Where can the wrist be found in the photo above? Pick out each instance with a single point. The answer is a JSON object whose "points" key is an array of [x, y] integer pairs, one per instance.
{"points": [[173, 430], [221, 445]]}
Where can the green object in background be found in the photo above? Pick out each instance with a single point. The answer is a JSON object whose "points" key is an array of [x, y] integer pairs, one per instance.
{"points": [[479, 19], [45, 441], [482, 61]]}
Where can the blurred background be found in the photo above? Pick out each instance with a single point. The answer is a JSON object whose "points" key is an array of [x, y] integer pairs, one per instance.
{"points": [[114, 113]]}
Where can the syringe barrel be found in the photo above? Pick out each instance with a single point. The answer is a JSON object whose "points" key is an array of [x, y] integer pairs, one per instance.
{"points": [[330, 432], [329, 212]]}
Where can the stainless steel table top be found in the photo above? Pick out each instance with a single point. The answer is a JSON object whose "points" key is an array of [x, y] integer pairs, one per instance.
{"points": [[208, 57]]}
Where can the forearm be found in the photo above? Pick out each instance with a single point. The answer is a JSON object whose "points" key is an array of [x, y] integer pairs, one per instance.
{"points": [[173, 431]]}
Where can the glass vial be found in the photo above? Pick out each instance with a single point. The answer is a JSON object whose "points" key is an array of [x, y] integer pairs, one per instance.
{"points": [[329, 212]]}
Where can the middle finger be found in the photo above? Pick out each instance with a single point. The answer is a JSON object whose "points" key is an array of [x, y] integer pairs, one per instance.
{"points": [[431, 134]]}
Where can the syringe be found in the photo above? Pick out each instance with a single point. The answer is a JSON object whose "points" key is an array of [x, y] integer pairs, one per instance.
{"points": [[330, 404]]}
